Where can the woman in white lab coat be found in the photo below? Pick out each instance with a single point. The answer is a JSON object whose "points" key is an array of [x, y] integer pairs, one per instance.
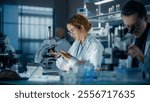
{"points": [[84, 48]]}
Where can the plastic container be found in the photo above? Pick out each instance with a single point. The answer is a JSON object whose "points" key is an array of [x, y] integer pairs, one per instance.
{"points": [[88, 70], [85, 70]]}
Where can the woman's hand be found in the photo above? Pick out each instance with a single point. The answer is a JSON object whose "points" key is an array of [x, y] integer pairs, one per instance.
{"points": [[56, 54], [66, 55]]}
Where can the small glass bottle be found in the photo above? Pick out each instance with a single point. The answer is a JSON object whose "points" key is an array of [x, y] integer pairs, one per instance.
{"points": [[50, 35], [97, 12], [113, 9], [117, 7]]}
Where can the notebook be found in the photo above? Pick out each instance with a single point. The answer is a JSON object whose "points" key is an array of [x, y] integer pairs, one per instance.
{"points": [[36, 74], [33, 70]]}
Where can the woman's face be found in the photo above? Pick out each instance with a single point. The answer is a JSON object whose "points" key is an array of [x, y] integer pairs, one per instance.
{"points": [[74, 32]]}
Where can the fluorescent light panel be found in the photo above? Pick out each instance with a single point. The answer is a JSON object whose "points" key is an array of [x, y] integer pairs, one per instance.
{"points": [[102, 2]]}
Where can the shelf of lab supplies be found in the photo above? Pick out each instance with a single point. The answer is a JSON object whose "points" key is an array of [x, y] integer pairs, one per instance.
{"points": [[114, 16]]}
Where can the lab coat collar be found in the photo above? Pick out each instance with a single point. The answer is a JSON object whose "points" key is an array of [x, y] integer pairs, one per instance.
{"points": [[86, 45]]}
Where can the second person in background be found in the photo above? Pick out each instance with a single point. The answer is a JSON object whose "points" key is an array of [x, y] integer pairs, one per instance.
{"points": [[84, 48], [62, 43]]}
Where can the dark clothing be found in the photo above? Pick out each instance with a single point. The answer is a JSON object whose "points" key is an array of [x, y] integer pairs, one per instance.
{"points": [[141, 42]]}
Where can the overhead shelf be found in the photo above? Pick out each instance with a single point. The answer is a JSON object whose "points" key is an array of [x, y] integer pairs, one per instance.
{"points": [[114, 16], [106, 17]]}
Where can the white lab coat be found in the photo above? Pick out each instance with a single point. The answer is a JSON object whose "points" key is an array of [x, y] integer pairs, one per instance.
{"points": [[92, 52]]}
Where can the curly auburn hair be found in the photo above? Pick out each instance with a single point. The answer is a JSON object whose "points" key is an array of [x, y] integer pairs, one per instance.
{"points": [[79, 20]]}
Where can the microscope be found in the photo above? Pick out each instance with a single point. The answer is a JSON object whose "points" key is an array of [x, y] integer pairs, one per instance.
{"points": [[7, 60], [7, 56], [118, 53], [43, 55]]}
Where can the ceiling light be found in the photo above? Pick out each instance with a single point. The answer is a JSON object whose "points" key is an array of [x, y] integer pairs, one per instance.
{"points": [[102, 2]]}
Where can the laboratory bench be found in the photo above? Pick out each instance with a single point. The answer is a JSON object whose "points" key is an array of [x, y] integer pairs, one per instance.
{"points": [[120, 76]]}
